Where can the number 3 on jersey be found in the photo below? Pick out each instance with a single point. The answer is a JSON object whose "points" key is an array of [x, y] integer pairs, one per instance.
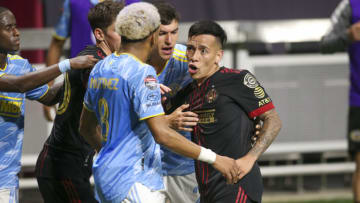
{"points": [[104, 118]]}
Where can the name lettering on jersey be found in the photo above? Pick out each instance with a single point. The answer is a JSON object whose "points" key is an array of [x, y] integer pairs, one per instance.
{"points": [[104, 83], [264, 101], [206, 116], [10, 108]]}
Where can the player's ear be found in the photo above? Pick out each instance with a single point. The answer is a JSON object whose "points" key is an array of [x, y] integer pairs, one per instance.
{"points": [[99, 34], [218, 56]]}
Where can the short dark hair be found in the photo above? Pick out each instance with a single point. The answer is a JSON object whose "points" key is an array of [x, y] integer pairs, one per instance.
{"points": [[104, 14], [210, 28], [2, 9], [167, 12]]}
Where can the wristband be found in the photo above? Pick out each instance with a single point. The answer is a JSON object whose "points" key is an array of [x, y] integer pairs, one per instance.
{"points": [[64, 66], [206, 155]]}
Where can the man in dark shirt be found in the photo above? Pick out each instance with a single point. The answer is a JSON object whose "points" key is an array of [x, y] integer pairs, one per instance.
{"points": [[227, 101], [64, 166]]}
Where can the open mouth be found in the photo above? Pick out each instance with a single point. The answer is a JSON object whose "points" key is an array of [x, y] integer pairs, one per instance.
{"points": [[167, 50], [192, 69]]}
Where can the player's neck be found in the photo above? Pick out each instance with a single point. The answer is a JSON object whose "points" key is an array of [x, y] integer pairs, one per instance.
{"points": [[104, 47], [200, 81], [157, 62], [140, 50]]}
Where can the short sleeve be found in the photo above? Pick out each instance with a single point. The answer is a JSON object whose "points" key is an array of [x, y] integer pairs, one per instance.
{"points": [[39, 92], [249, 94], [146, 94], [62, 29]]}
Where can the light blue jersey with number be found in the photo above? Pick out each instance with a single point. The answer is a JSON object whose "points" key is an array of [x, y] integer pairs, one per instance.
{"points": [[123, 92], [175, 75], [12, 110]]}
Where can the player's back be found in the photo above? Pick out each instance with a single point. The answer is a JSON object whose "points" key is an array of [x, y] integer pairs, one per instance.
{"points": [[121, 89]]}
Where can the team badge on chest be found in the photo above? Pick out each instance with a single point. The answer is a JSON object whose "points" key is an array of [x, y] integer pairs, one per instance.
{"points": [[212, 95]]}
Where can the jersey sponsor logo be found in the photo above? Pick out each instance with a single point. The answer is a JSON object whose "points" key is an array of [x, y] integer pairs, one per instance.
{"points": [[150, 82], [259, 92], [206, 116], [153, 96], [153, 103], [250, 81], [355, 135], [10, 108], [104, 83], [264, 101], [211, 96]]}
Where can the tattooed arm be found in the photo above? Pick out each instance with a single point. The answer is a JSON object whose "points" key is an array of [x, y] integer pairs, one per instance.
{"points": [[271, 128]]}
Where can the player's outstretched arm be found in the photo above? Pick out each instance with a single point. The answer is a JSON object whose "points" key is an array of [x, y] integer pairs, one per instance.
{"points": [[29, 81], [270, 129], [89, 129], [166, 136]]}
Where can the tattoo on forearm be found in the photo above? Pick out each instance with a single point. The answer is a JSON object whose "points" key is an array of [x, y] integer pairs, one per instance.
{"points": [[270, 130]]}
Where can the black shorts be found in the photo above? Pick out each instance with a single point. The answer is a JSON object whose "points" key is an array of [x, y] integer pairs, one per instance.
{"points": [[66, 190], [354, 130], [238, 195]]}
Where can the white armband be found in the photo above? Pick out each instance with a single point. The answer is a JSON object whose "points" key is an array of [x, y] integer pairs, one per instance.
{"points": [[64, 65], [206, 155]]}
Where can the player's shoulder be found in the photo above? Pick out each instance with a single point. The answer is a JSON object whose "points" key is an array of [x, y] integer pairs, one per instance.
{"points": [[17, 60], [233, 73], [179, 53], [94, 51], [236, 76]]}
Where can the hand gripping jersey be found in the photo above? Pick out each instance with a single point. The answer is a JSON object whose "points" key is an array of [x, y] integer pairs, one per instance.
{"points": [[12, 109], [175, 75], [226, 103], [123, 92]]}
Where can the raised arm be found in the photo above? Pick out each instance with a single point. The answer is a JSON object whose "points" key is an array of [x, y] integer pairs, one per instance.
{"points": [[24, 83]]}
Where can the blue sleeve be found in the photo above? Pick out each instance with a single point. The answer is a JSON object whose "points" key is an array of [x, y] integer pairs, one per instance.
{"points": [[146, 94], [37, 93], [62, 30]]}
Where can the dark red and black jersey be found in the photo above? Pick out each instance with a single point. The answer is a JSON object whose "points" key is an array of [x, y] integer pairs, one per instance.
{"points": [[65, 152], [227, 104]]}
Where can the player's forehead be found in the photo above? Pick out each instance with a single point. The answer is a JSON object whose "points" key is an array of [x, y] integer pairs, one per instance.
{"points": [[7, 18], [201, 41], [173, 26]]}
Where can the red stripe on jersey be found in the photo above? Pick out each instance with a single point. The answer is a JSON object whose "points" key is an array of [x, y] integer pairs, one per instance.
{"points": [[245, 198], [261, 110], [242, 196], [238, 195]]}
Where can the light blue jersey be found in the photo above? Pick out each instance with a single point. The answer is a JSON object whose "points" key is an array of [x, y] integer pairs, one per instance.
{"points": [[176, 76], [12, 109], [123, 92]]}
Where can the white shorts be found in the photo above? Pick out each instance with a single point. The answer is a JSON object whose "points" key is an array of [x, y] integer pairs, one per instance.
{"points": [[181, 189], [139, 193], [9, 195]]}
